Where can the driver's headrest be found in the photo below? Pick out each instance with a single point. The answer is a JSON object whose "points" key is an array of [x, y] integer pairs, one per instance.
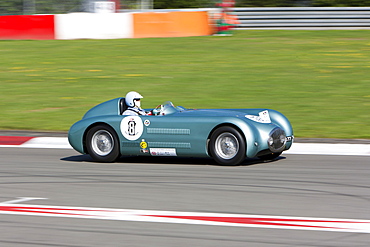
{"points": [[122, 106]]}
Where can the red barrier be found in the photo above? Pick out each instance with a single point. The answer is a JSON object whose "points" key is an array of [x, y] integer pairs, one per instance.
{"points": [[27, 27]]}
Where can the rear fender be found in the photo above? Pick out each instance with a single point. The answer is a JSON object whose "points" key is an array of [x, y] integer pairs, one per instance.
{"points": [[77, 133]]}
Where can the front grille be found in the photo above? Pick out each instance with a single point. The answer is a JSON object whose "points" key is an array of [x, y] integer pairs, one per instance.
{"points": [[277, 140]]}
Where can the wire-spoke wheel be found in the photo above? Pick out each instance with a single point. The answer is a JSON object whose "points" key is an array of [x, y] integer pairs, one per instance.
{"points": [[227, 146], [102, 143]]}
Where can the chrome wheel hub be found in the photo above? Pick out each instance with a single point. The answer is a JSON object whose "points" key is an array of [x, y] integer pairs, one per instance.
{"points": [[227, 146], [102, 142]]}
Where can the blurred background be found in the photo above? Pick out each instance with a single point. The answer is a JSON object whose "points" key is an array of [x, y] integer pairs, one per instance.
{"points": [[19, 7], [318, 79]]}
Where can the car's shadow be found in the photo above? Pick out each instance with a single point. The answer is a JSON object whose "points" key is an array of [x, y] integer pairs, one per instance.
{"points": [[168, 160]]}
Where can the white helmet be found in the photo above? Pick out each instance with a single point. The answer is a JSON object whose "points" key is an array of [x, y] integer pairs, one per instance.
{"points": [[131, 96]]}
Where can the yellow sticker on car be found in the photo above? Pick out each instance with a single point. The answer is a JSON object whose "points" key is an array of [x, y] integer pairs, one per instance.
{"points": [[143, 145]]}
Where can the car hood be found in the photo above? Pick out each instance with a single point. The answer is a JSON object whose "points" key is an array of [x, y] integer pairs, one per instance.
{"points": [[221, 112]]}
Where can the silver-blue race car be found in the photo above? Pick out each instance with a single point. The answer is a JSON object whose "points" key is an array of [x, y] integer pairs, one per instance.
{"points": [[229, 136]]}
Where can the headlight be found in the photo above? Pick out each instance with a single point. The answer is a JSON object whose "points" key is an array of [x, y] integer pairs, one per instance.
{"points": [[276, 140], [271, 141]]}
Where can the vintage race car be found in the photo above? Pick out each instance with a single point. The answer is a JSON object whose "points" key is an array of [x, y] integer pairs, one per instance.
{"points": [[229, 136]]}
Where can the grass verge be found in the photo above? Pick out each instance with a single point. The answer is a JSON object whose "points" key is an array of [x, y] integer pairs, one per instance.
{"points": [[318, 79]]}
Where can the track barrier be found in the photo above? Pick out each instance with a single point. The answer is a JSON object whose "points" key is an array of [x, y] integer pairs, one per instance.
{"points": [[303, 18], [106, 25]]}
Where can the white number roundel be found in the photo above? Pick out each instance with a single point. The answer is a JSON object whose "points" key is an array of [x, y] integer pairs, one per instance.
{"points": [[132, 127]]}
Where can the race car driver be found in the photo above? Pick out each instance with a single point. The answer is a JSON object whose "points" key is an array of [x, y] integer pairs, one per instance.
{"points": [[134, 106]]}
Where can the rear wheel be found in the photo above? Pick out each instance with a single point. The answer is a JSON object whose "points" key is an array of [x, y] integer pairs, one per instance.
{"points": [[227, 146], [102, 143]]}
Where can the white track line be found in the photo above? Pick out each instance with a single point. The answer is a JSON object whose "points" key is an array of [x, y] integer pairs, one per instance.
{"points": [[22, 199]]}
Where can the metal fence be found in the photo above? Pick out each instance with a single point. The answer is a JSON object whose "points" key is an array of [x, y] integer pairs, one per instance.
{"points": [[304, 18]]}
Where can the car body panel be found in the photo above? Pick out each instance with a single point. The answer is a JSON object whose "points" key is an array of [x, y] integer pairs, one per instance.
{"points": [[180, 133]]}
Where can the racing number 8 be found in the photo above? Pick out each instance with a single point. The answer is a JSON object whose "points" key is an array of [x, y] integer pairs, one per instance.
{"points": [[131, 128]]}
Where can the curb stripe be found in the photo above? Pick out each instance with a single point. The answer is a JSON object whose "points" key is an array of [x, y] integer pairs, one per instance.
{"points": [[196, 218], [297, 148], [14, 140], [329, 149]]}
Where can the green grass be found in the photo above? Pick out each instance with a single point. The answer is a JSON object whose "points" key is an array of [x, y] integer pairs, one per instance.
{"points": [[319, 79]]}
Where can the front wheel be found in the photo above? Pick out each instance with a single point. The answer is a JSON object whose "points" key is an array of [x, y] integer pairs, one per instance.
{"points": [[102, 143], [227, 146]]}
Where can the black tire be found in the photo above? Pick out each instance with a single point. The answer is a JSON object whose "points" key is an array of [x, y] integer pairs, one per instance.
{"points": [[271, 156], [102, 143], [227, 146]]}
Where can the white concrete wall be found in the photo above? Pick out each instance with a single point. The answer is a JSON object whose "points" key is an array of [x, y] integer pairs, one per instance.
{"points": [[93, 26]]}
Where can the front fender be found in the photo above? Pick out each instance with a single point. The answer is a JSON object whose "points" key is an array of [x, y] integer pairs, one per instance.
{"points": [[250, 133], [283, 122], [277, 118]]}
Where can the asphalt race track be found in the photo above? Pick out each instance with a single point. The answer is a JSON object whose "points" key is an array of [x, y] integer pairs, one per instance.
{"points": [[315, 186]]}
